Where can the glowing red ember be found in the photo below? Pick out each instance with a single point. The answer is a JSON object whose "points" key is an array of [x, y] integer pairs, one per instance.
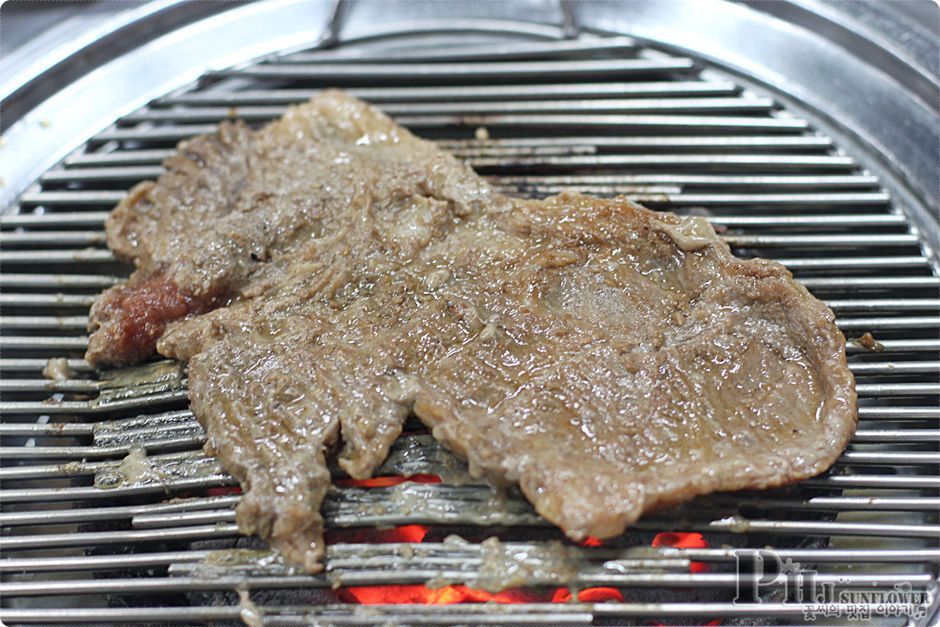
{"points": [[404, 533], [591, 541], [588, 595], [420, 594], [385, 482], [683, 540], [446, 595], [451, 595], [224, 491]]}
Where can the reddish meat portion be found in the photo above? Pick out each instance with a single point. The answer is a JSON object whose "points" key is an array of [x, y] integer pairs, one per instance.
{"points": [[133, 317]]}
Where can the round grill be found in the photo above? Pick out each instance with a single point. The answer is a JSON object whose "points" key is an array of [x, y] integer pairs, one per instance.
{"points": [[89, 539]]}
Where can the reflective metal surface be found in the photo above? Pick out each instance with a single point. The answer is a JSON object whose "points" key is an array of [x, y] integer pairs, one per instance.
{"points": [[76, 38], [863, 105]]}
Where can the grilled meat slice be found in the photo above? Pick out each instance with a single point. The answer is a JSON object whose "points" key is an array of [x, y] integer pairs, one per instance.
{"points": [[608, 359], [629, 362], [237, 203]]}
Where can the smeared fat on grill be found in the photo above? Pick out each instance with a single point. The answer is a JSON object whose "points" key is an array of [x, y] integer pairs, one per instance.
{"points": [[330, 274]]}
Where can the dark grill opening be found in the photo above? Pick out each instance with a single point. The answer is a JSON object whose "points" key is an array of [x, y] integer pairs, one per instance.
{"points": [[111, 513]]}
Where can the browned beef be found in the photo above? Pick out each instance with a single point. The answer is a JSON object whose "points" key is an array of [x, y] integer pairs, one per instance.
{"points": [[608, 359]]}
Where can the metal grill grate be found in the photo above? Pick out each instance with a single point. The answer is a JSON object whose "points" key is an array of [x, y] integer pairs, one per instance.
{"points": [[84, 541]]}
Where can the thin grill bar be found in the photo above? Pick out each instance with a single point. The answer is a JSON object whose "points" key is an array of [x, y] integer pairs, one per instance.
{"points": [[142, 512], [174, 584], [352, 553], [518, 51], [691, 123], [831, 504], [367, 72], [251, 113], [380, 95], [46, 257], [645, 105], [469, 149]]}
